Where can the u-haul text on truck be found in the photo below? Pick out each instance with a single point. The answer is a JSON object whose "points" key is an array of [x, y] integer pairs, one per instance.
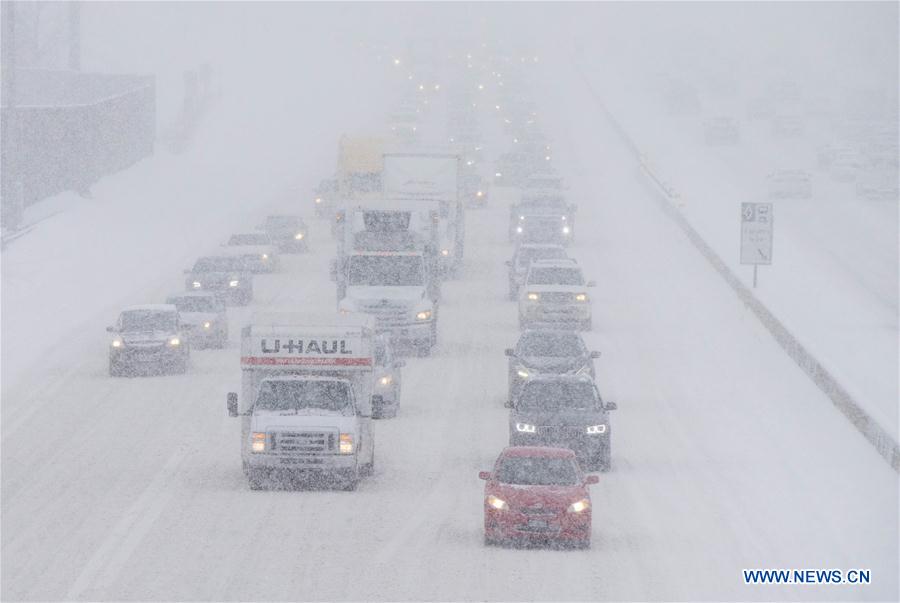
{"points": [[306, 398]]}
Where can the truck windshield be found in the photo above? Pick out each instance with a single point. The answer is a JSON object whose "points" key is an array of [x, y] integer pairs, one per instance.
{"points": [[387, 270], [558, 396], [537, 471], [196, 303], [148, 320], [220, 264], [555, 345], [333, 396], [555, 276]]}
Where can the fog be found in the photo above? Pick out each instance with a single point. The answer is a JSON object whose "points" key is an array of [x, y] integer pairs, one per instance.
{"points": [[450, 301]]}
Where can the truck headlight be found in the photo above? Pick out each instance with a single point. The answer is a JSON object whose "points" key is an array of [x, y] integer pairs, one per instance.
{"points": [[497, 503], [581, 297], [424, 315], [479, 194], [233, 283], [579, 505], [174, 342], [525, 428], [522, 372], [498, 175], [196, 284], [265, 256], [445, 252], [519, 229], [318, 200], [258, 441], [533, 297], [299, 236], [346, 445], [207, 325], [566, 230], [116, 343], [386, 380], [596, 429]]}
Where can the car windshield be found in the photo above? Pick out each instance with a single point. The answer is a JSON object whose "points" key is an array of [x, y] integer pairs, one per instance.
{"points": [[196, 303], [387, 270], [528, 254], [554, 345], [542, 203], [558, 396], [253, 238], [537, 471], [300, 395], [148, 320], [555, 276], [220, 264]]}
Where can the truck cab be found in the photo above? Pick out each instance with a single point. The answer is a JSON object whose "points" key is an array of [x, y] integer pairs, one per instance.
{"points": [[306, 399], [398, 289]]}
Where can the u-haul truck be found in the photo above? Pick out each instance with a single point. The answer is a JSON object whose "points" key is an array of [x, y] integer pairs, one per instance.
{"points": [[306, 398]]}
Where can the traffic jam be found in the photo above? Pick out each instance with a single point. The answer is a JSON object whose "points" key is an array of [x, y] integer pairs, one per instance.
{"points": [[314, 385]]}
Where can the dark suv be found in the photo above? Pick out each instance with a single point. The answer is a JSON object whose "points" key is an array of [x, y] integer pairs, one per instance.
{"points": [[565, 411], [548, 352]]}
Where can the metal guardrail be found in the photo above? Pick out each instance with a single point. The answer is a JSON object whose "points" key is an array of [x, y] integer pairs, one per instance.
{"points": [[668, 199]]}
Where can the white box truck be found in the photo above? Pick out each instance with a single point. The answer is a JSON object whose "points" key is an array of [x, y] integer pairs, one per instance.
{"points": [[306, 398]]}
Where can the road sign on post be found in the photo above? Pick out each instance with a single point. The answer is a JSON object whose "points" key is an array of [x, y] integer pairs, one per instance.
{"points": [[756, 234]]}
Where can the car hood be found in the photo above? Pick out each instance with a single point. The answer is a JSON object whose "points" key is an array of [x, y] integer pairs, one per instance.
{"points": [[569, 417], [553, 364], [147, 336], [199, 276], [551, 497], [276, 421], [370, 294], [564, 288]]}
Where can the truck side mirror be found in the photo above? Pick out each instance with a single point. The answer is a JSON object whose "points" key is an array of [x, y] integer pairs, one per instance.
{"points": [[611, 406], [509, 352], [508, 404], [591, 479], [595, 354], [485, 475], [231, 402]]}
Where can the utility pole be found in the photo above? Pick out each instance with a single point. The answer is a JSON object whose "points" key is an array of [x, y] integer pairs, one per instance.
{"points": [[12, 197]]}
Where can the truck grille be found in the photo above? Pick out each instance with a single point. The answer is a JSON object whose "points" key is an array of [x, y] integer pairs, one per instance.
{"points": [[303, 442], [557, 297], [387, 314], [560, 432]]}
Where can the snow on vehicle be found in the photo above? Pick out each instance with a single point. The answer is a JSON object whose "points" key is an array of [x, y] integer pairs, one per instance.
{"points": [[555, 293], [431, 175], [542, 217], [230, 276], [524, 254], [257, 250], [203, 317], [148, 339], [325, 196], [537, 494], [306, 398], [565, 411], [790, 184], [547, 352], [397, 289], [288, 232], [388, 372]]}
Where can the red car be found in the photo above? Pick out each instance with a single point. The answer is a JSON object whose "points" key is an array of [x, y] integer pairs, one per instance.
{"points": [[537, 494]]}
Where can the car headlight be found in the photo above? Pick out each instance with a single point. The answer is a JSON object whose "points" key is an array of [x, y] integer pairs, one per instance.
{"points": [[318, 200], [479, 194], [386, 380], [116, 343], [196, 284], [233, 283], [525, 428], [346, 445], [596, 429], [522, 372], [445, 252], [566, 230], [579, 505], [265, 256], [299, 236], [519, 229], [581, 297], [533, 296], [174, 341], [258, 441], [521, 217], [498, 175], [424, 315], [207, 325], [564, 218], [497, 503]]}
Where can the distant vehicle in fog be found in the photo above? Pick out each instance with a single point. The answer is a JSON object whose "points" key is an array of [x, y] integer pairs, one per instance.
{"points": [[555, 293], [325, 196], [524, 254], [542, 217], [789, 184], [147, 339], [547, 352], [229, 276], [202, 315], [721, 131], [258, 245], [289, 233], [537, 494]]}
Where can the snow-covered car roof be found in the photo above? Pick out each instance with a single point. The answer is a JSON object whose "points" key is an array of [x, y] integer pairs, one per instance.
{"points": [[559, 263], [193, 294], [150, 308]]}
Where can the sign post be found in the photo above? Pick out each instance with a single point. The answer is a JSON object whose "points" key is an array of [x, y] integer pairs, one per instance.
{"points": [[756, 235]]}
